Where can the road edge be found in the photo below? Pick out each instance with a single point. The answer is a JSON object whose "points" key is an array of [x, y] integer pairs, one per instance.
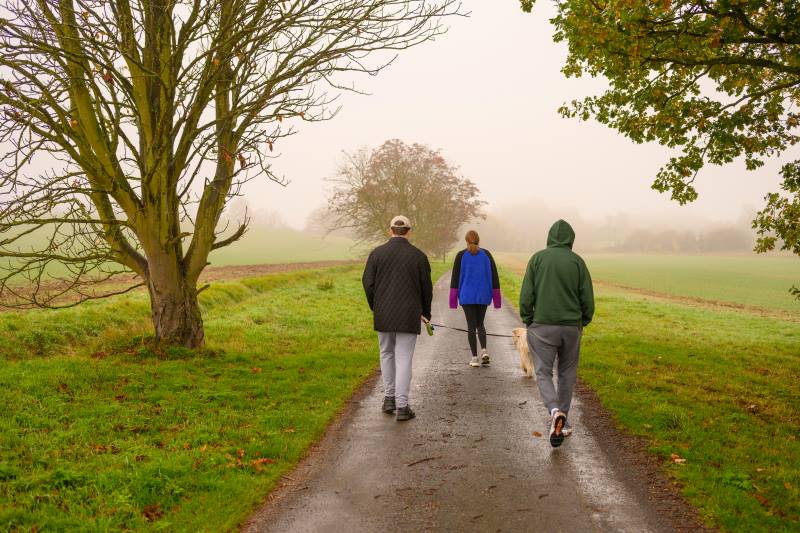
{"points": [[646, 475], [295, 479]]}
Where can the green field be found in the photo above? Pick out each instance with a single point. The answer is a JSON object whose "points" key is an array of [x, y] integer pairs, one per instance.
{"points": [[100, 433], [268, 245], [750, 280], [717, 388]]}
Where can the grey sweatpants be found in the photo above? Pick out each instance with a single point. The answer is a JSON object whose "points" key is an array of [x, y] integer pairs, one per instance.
{"points": [[549, 343], [397, 351]]}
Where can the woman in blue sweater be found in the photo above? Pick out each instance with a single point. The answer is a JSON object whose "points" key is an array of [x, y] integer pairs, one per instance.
{"points": [[475, 284]]}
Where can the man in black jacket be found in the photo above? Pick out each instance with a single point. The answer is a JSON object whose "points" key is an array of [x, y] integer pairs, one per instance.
{"points": [[397, 281]]}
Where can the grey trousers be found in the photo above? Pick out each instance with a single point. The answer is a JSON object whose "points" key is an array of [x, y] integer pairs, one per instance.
{"points": [[397, 351], [549, 343]]}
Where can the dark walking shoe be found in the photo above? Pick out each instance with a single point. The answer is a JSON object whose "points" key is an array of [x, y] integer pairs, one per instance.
{"points": [[388, 404], [404, 413], [557, 429]]}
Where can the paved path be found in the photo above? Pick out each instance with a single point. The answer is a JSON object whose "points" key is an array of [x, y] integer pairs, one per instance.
{"points": [[468, 462]]}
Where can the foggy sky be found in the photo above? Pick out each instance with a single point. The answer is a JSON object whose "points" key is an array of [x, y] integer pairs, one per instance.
{"points": [[487, 95]]}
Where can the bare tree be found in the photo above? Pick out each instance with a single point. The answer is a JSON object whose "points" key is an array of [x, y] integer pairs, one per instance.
{"points": [[413, 180], [128, 125]]}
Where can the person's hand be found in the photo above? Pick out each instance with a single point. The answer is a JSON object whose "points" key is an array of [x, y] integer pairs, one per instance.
{"points": [[428, 325]]}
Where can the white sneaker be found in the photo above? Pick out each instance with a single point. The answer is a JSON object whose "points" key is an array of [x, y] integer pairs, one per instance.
{"points": [[556, 429], [484, 358], [474, 361]]}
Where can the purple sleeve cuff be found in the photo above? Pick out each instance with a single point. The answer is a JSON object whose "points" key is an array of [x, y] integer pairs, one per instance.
{"points": [[453, 298], [496, 298]]}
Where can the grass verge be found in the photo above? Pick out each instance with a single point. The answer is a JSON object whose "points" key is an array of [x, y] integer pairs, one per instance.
{"points": [[715, 393], [99, 433]]}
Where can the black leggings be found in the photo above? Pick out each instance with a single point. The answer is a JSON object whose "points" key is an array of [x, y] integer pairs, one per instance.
{"points": [[475, 314]]}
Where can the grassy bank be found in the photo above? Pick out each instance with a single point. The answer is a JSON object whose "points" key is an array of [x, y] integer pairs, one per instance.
{"points": [[717, 389], [99, 433]]}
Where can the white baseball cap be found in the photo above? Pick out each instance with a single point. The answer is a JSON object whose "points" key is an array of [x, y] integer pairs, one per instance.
{"points": [[400, 222]]}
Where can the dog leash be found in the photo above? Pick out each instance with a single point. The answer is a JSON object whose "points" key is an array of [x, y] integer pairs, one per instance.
{"points": [[467, 331]]}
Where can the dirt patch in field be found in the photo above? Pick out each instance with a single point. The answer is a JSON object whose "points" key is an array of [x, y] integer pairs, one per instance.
{"points": [[223, 273], [644, 471], [703, 302], [210, 274]]}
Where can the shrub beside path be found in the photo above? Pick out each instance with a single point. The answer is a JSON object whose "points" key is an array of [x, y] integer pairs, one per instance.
{"points": [[476, 458]]}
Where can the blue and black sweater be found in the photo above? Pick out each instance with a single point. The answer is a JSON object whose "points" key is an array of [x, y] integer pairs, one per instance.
{"points": [[474, 279]]}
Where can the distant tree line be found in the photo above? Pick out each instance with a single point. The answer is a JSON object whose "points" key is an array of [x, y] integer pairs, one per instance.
{"points": [[523, 229], [727, 239]]}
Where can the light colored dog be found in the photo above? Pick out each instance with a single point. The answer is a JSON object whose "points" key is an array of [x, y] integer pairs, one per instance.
{"points": [[520, 336]]}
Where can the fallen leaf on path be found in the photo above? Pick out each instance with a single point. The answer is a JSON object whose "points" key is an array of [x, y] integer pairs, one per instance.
{"points": [[537, 434], [677, 459]]}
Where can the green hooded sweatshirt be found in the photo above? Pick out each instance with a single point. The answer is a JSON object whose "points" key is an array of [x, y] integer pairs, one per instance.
{"points": [[557, 288]]}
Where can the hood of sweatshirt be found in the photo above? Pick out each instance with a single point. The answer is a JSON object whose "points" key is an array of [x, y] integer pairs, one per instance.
{"points": [[561, 235]]}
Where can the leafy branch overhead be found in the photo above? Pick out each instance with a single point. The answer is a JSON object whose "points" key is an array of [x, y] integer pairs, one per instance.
{"points": [[718, 80], [131, 123]]}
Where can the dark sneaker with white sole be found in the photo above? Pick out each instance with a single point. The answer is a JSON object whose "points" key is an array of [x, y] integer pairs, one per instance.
{"points": [[405, 413], [388, 405], [557, 429]]}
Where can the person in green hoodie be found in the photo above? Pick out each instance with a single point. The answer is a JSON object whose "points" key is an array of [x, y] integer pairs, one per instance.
{"points": [[556, 302]]}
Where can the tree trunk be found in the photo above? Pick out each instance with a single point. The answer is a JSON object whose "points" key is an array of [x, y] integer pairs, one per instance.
{"points": [[174, 306]]}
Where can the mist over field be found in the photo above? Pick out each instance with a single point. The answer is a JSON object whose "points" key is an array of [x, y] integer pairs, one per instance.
{"points": [[487, 95], [514, 227]]}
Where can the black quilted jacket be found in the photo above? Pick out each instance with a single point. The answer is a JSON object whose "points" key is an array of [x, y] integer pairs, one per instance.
{"points": [[397, 280]]}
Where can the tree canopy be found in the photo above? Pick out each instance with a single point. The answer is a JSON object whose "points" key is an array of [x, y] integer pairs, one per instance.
{"points": [[717, 80], [400, 179], [148, 116]]}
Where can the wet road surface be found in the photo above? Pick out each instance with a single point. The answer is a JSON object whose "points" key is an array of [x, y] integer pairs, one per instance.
{"points": [[468, 462]]}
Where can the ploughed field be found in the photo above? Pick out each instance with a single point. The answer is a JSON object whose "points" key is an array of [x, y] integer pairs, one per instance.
{"points": [[700, 357]]}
